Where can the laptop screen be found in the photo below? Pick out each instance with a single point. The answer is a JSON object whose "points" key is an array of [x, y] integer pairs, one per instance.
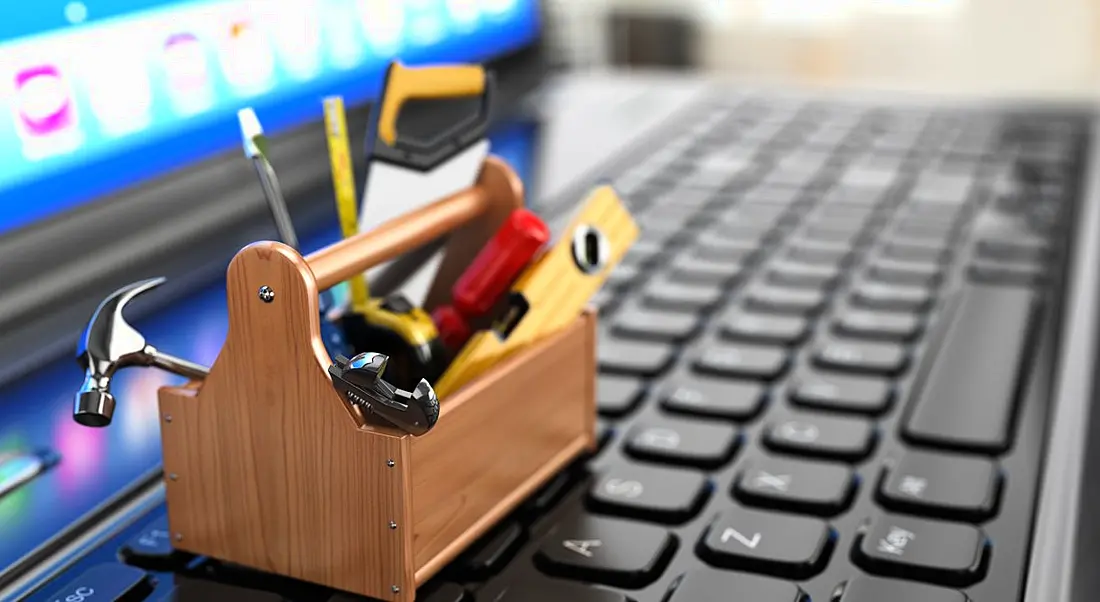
{"points": [[98, 95]]}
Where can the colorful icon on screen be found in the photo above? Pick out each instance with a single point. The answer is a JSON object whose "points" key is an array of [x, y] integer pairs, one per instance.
{"points": [[296, 30], [188, 75], [463, 13], [118, 89], [383, 24], [247, 59], [497, 7], [45, 113], [17, 469], [425, 21], [344, 39]]}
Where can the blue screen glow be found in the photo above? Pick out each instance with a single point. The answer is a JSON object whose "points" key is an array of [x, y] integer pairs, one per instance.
{"points": [[97, 95]]}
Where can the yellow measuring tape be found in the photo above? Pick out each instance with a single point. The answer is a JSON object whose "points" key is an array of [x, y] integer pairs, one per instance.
{"points": [[343, 182]]}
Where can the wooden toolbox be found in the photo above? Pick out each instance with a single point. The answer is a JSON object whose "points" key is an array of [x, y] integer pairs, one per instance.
{"points": [[267, 466]]}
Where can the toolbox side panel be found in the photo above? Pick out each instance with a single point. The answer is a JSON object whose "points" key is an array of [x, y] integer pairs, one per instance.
{"points": [[267, 466], [498, 440]]}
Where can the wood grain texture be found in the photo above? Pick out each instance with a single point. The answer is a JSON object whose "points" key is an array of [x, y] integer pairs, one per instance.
{"points": [[273, 468], [505, 191], [472, 216], [268, 467], [499, 439]]}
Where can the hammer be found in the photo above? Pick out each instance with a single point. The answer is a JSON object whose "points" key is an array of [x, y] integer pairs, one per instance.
{"points": [[110, 343]]}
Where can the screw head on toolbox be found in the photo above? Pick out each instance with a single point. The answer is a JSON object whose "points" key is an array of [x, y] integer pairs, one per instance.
{"points": [[591, 250], [267, 294]]}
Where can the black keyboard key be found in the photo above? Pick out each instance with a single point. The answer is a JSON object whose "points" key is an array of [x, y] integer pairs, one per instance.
{"points": [[550, 494], [820, 435], [941, 486], [844, 235], [603, 434], [107, 582], [740, 229], [765, 328], [755, 215], [617, 395], [966, 394], [656, 237], [152, 547], [663, 221], [912, 273], [727, 250], [793, 547], [950, 554], [602, 550], [642, 253], [925, 227], [870, 395], [447, 592], [819, 254], [714, 397], [550, 591], [663, 294], [742, 360], [490, 555], [857, 215], [805, 486], [637, 323], [652, 493], [688, 269], [875, 295], [683, 441], [210, 591], [732, 231], [861, 356], [803, 275], [1033, 249], [879, 325], [603, 300], [623, 274], [633, 357], [1008, 274], [874, 589], [928, 253], [704, 585], [785, 300]]}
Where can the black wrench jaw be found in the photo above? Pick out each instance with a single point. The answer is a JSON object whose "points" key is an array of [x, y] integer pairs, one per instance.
{"points": [[414, 412]]}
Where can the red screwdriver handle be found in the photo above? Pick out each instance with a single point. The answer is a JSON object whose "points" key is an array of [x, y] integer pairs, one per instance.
{"points": [[499, 263], [453, 329]]}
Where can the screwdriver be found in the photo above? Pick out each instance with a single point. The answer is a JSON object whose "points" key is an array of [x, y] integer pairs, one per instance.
{"points": [[256, 149], [491, 273]]}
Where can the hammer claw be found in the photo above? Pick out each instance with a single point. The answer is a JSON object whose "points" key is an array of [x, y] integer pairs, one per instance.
{"points": [[110, 343]]}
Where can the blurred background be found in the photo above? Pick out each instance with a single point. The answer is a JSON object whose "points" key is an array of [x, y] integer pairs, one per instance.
{"points": [[120, 152], [1018, 47]]}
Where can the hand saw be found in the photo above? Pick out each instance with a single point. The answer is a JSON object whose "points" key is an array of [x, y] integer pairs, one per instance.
{"points": [[405, 173], [393, 325]]}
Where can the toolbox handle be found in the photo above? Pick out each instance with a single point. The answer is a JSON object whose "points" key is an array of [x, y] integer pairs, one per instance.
{"points": [[342, 260]]}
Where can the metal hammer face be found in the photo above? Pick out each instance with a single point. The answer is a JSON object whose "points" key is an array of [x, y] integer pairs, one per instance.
{"points": [[110, 343]]}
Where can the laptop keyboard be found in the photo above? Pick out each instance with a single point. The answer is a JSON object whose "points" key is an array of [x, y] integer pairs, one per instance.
{"points": [[823, 373]]}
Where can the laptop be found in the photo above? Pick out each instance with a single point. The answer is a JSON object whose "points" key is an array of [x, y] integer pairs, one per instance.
{"points": [[849, 359]]}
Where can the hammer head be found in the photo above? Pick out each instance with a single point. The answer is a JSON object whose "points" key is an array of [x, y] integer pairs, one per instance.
{"points": [[109, 343]]}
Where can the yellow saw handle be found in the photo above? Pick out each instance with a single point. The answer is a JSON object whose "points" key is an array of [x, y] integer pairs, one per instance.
{"points": [[406, 83]]}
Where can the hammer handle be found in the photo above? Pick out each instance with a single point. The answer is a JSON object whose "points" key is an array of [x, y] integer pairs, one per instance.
{"points": [[176, 365]]}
